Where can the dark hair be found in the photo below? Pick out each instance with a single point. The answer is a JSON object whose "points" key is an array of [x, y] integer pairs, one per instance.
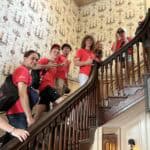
{"points": [[55, 46], [84, 40], [120, 30], [29, 52], [39, 55], [66, 45]]}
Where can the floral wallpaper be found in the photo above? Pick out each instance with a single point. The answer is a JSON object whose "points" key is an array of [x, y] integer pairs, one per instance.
{"points": [[34, 24], [37, 24], [102, 18]]}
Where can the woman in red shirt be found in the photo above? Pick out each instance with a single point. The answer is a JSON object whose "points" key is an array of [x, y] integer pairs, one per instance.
{"points": [[19, 115], [84, 58]]}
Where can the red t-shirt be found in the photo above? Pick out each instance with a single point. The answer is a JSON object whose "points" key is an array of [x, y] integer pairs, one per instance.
{"points": [[21, 74], [50, 76], [62, 71], [121, 43], [84, 55]]}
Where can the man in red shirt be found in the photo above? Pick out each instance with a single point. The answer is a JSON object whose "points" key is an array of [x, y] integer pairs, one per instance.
{"points": [[20, 115], [63, 69], [121, 40], [84, 58], [47, 88]]}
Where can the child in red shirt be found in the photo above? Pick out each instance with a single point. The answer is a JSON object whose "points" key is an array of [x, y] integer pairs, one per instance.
{"points": [[84, 58], [63, 70]]}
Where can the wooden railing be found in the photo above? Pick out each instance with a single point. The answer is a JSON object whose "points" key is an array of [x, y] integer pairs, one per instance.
{"points": [[124, 69], [69, 123]]}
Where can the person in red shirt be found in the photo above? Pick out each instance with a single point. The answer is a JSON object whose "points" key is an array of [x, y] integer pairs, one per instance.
{"points": [[121, 40], [47, 88], [19, 115], [62, 71], [84, 58]]}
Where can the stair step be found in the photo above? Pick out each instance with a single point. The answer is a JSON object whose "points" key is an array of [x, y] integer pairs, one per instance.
{"points": [[117, 97], [84, 141], [105, 107], [133, 86]]}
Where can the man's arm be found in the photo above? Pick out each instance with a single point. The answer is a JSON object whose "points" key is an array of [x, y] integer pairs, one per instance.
{"points": [[47, 66], [79, 63], [23, 96]]}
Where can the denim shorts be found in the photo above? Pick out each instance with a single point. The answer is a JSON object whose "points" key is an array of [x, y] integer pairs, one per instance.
{"points": [[17, 121]]}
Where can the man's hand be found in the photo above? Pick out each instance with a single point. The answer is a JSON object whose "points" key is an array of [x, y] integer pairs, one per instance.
{"points": [[21, 134], [89, 61]]}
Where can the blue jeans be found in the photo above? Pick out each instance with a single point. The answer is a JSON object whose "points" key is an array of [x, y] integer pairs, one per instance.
{"points": [[17, 121]]}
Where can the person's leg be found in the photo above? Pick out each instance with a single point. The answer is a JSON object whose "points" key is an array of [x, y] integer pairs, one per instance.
{"points": [[48, 95], [82, 79], [40, 108], [60, 84]]}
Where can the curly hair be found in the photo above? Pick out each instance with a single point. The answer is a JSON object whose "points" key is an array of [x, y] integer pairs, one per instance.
{"points": [[84, 41]]}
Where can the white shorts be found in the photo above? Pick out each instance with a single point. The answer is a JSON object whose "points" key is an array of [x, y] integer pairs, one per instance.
{"points": [[83, 78]]}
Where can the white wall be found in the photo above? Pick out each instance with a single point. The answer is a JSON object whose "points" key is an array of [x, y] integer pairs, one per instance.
{"points": [[135, 129], [97, 145], [134, 123]]}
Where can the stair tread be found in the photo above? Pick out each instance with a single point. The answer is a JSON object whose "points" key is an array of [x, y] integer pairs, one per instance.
{"points": [[105, 107], [117, 97]]}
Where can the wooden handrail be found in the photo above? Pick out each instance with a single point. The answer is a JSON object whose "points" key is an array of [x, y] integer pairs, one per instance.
{"points": [[67, 124], [55, 113]]}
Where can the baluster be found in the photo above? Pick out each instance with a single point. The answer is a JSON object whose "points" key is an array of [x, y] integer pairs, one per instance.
{"points": [[94, 105], [77, 126], [69, 129], [116, 76], [121, 75], [138, 64], [84, 118], [132, 69], [111, 79], [87, 114], [73, 128], [106, 68], [102, 86], [55, 137], [65, 134], [43, 140], [37, 143], [146, 67], [61, 136], [127, 74], [50, 140]]}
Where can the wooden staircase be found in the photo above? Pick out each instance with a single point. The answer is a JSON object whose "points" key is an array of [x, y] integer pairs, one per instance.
{"points": [[109, 91]]}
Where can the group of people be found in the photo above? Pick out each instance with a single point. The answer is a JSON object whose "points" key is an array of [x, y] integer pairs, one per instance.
{"points": [[52, 76]]}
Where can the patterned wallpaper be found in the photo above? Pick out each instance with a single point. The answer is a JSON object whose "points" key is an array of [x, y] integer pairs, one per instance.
{"points": [[102, 19], [36, 24]]}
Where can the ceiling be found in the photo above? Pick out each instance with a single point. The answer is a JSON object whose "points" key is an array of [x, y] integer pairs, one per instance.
{"points": [[84, 2]]}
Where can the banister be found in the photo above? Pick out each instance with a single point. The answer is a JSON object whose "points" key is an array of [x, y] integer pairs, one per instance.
{"points": [[52, 115]]}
